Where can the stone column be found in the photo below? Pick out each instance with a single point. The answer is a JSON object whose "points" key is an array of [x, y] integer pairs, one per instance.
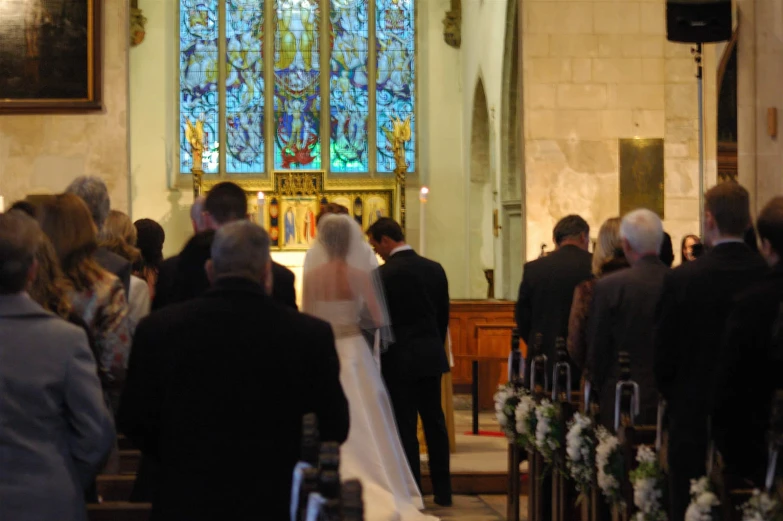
{"points": [[746, 97]]}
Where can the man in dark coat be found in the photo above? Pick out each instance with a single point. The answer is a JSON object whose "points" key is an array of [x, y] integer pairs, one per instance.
{"points": [[623, 315], [695, 303], [226, 202], [217, 387], [751, 366], [547, 289], [417, 295]]}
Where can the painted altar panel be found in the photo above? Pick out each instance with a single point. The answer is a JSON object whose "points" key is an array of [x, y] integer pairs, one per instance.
{"points": [[396, 77], [198, 63], [641, 175], [297, 94], [349, 96], [244, 86]]}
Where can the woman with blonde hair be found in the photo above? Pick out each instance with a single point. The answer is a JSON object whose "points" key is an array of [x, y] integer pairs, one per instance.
{"points": [[96, 295], [608, 257], [119, 236]]}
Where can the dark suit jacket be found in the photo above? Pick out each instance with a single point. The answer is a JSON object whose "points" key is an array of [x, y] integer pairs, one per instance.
{"points": [[695, 303], [748, 372], [115, 264], [283, 290], [216, 390], [417, 294], [622, 316], [183, 277], [545, 297]]}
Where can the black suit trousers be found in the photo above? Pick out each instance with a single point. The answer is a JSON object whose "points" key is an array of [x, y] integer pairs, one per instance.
{"points": [[421, 397], [687, 461]]}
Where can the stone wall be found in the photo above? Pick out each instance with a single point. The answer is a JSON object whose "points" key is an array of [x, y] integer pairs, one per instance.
{"points": [[43, 153], [596, 71]]}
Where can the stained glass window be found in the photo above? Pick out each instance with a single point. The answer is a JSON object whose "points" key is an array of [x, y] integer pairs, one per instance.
{"points": [[297, 84], [395, 87], [244, 86], [348, 86], [227, 63], [198, 80]]}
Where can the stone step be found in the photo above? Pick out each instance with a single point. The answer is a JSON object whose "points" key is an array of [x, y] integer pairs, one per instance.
{"points": [[119, 511]]}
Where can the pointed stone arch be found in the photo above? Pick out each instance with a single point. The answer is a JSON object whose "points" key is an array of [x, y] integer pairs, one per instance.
{"points": [[480, 253]]}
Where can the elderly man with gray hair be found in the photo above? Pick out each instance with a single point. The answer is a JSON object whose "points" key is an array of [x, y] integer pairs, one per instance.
{"points": [[92, 190], [224, 379], [56, 429], [622, 317]]}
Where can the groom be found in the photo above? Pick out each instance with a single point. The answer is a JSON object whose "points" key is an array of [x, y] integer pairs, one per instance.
{"points": [[417, 294]]}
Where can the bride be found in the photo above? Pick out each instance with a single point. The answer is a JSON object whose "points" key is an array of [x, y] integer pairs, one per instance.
{"points": [[341, 285]]}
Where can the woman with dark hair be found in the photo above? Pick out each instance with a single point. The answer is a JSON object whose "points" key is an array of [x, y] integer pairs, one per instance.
{"points": [[97, 296], [150, 239], [687, 253]]}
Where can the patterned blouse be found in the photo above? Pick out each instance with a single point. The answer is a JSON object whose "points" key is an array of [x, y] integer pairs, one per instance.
{"points": [[104, 308]]}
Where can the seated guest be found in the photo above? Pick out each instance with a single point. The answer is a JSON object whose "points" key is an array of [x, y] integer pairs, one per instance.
{"points": [[150, 239], [200, 384], [608, 257], [622, 317], [167, 272], [119, 236], [751, 366], [56, 428], [92, 190], [96, 295]]}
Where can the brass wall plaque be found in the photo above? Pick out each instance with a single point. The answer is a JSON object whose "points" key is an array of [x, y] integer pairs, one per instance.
{"points": [[641, 175]]}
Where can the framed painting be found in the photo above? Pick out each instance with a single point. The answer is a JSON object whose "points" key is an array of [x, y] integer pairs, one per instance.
{"points": [[297, 222], [50, 56]]}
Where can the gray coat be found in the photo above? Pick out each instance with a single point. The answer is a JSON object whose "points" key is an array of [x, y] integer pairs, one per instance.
{"points": [[55, 430], [622, 318]]}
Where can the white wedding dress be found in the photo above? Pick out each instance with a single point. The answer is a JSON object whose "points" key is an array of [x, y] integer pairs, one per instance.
{"points": [[373, 452]]}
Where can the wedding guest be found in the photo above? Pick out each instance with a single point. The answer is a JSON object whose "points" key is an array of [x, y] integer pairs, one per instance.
{"points": [[608, 257], [192, 389], [119, 236], [696, 300], [751, 365], [93, 191], [687, 253], [96, 295], [56, 428], [150, 239], [622, 316], [667, 250], [547, 288]]}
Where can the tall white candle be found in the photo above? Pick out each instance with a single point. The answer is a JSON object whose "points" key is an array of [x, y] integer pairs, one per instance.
{"points": [[2, 204], [261, 202], [423, 194]]}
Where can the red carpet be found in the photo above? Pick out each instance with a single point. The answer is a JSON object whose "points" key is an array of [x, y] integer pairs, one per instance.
{"points": [[494, 434]]}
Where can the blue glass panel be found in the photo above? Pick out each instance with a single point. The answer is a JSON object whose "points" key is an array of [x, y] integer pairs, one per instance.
{"points": [[297, 96], [348, 99], [198, 48], [244, 86], [395, 88]]}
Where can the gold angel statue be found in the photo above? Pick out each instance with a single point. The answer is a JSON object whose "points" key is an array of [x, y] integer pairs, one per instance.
{"points": [[398, 136], [195, 136]]}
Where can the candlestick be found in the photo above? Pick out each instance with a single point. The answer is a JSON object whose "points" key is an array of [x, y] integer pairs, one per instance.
{"points": [[423, 194], [261, 205]]}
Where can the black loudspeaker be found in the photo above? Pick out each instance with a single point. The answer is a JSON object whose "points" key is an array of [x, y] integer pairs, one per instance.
{"points": [[698, 21]]}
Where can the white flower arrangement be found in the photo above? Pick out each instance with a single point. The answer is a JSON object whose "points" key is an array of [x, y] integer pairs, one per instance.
{"points": [[703, 501], [762, 507], [580, 452], [610, 466], [506, 399], [547, 430], [526, 421], [648, 483]]}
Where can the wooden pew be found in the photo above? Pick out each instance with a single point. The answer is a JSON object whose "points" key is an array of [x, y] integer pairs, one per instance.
{"points": [[563, 489]]}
